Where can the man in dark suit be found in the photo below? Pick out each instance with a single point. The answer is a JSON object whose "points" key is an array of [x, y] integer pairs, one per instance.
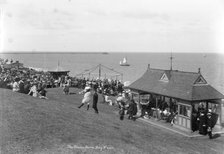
{"points": [[202, 123], [95, 100], [132, 109]]}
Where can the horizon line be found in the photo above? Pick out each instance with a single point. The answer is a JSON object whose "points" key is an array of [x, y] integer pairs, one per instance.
{"points": [[101, 52]]}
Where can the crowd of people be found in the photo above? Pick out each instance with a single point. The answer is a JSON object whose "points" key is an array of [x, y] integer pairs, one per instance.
{"points": [[25, 80], [203, 121], [128, 106], [34, 83], [147, 108], [124, 101], [106, 86]]}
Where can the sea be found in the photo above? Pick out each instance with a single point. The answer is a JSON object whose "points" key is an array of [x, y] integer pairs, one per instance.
{"points": [[83, 64]]}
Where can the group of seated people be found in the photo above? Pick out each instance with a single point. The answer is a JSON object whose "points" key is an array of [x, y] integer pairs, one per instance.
{"points": [[144, 109], [25, 80], [126, 105], [35, 88], [147, 109], [38, 91]]}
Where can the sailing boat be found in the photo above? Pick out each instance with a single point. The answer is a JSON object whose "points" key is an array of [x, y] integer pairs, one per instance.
{"points": [[124, 62]]}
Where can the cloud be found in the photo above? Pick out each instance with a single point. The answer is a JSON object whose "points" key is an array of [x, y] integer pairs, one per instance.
{"points": [[62, 12], [3, 1], [47, 19], [98, 12], [145, 15], [135, 14], [102, 23]]}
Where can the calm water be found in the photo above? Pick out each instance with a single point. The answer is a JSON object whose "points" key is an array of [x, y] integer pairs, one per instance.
{"points": [[212, 65]]}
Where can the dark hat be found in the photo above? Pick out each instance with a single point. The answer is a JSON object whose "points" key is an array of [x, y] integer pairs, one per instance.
{"points": [[17, 79]]}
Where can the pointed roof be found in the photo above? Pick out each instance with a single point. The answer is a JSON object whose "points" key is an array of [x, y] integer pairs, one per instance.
{"points": [[59, 69], [182, 85]]}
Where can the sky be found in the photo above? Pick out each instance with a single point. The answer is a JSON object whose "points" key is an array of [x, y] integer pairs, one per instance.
{"points": [[112, 25]]}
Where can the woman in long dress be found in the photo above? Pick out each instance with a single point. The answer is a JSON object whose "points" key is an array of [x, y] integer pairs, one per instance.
{"points": [[86, 98]]}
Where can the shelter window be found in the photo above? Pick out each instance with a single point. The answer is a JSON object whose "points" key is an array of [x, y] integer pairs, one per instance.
{"points": [[144, 98], [184, 110]]}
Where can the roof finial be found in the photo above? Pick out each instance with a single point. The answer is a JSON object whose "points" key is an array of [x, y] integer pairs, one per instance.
{"points": [[148, 66], [199, 70]]}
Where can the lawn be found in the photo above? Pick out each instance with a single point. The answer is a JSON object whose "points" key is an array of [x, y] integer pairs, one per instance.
{"points": [[56, 125]]}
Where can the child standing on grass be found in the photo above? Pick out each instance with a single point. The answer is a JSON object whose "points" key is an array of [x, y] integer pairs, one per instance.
{"points": [[67, 85], [87, 97]]}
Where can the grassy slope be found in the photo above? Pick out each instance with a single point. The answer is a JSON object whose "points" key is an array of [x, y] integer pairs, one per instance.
{"points": [[33, 125]]}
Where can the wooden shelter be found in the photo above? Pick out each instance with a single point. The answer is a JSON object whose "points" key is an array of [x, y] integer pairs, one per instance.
{"points": [[183, 89], [58, 72]]}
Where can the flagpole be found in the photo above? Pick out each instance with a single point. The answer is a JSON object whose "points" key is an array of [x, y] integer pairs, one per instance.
{"points": [[171, 61], [99, 71]]}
